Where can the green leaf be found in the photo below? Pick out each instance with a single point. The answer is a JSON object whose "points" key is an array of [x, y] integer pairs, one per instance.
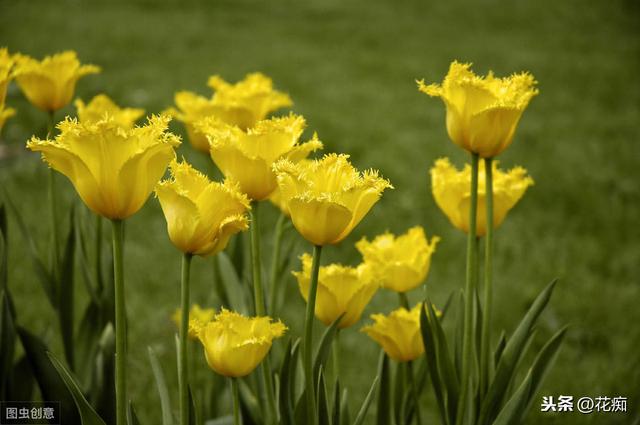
{"points": [[514, 408], [88, 416], [89, 275], [249, 403], [45, 278], [132, 418], [502, 342], [21, 381], [430, 349], [510, 357], [335, 420], [51, 385], [384, 392], [161, 385], [400, 388], [322, 402], [362, 414], [4, 248], [86, 341], [194, 416], [65, 293], [542, 363], [7, 342], [287, 383], [103, 391], [345, 416], [232, 283], [325, 347]]}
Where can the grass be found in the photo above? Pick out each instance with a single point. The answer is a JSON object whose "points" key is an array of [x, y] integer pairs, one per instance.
{"points": [[350, 68]]}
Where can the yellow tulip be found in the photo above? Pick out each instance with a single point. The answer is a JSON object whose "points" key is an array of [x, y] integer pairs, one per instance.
{"points": [[248, 101], [49, 84], [198, 317], [191, 108], [398, 333], [451, 190], [248, 157], [201, 215], [234, 345], [101, 105], [6, 74], [341, 290], [114, 170], [482, 112], [399, 263], [328, 197]]}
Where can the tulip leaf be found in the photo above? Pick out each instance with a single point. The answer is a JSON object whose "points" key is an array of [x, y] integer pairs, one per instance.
{"points": [[51, 385], [335, 420], [543, 362], [345, 416], [429, 341], [194, 414], [4, 248], [325, 347], [248, 403], [510, 357], [66, 294], [514, 408], [103, 395], [287, 383], [362, 414], [323, 403], [7, 342], [45, 278], [232, 283], [132, 417], [93, 287], [161, 385], [459, 333], [88, 415], [86, 340], [384, 392], [21, 381], [502, 342]]}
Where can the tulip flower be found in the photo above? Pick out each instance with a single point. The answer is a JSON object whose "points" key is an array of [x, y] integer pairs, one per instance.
{"points": [[451, 191], [398, 333], [6, 74], [248, 101], [113, 170], [49, 84], [482, 112], [234, 344], [399, 263], [201, 215], [101, 105], [243, 105], [198, 317], [248, 157], [327, 198], [341, 290]]}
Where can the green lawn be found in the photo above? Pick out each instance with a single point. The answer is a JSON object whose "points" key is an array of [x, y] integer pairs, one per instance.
{"points": [[350, 68]]}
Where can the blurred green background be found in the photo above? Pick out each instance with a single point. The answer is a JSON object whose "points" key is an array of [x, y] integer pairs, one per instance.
{"points": [[350, 68]]}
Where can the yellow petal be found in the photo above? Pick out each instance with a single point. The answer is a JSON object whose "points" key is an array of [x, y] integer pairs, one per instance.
{"points": [[319, 222]]}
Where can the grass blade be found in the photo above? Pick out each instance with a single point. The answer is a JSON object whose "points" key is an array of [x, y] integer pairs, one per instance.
{"points": [[367, 401]]}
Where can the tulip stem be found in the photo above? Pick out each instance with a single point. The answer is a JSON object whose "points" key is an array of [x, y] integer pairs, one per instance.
{"points": [[220, 288], [308, 337], [414, 391], [472, 254], [260, 309], [275, 261], [488, 279], [237, 419], [53, 205], [404, 301], [184, 330], [98, 251], [335, 353], [121, 323]]}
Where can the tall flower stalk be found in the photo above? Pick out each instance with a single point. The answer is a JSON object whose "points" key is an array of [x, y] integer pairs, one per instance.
{"points": [[121, 320], [308, 337], [472, 258], [485, 364], [184, 333]]}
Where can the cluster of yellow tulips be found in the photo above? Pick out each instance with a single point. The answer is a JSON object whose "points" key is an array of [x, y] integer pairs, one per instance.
{"points": [[115, 165]]}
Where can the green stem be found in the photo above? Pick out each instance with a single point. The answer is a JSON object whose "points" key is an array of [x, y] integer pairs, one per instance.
{"points": [[275, 261], [98, 251], [308, 337], [472, 253], [237, 419], [335, 354], [184, 334], [220, 288], [258, 293], [404, 301], [488, 280], [414, 391], [121, 323], [53, 209]]}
